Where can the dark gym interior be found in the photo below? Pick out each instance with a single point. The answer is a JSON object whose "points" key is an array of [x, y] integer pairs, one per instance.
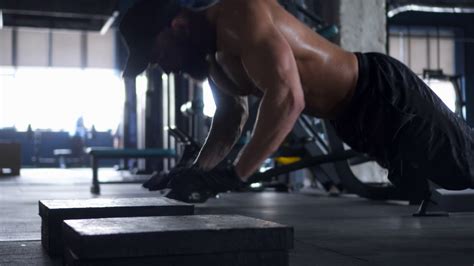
{"points": [[72, 128]]}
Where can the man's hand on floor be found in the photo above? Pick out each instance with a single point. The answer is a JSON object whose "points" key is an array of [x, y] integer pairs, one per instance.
{"points": [[160, 180], [196, 185]]}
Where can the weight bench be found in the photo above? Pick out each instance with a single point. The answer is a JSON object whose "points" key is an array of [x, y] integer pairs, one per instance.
{"points": [[111, 153]]}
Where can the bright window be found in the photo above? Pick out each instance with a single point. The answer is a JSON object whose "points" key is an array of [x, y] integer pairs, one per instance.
{"points": [[445, 90], [427, 48], [209, 104], [55, 98], [423, 48]]}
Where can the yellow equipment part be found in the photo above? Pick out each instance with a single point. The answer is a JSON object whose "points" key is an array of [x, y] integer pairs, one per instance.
{"points": [[287, 160]]}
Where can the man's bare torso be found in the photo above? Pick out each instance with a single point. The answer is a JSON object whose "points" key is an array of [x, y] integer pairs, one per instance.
{"points": [[328, 73]]}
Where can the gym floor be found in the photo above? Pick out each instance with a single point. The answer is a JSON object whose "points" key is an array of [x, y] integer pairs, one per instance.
{"points": [[328, 231]]}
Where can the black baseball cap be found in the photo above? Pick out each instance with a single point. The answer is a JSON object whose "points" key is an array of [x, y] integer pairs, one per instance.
{"points": [[139, 26]]}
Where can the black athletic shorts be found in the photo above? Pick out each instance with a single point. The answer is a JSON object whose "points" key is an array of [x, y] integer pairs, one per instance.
{"points": [[396, 118]]}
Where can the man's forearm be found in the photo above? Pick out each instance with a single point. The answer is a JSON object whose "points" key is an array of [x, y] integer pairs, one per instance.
{"points": [[214, 150], [273, 125], [224, 133]]}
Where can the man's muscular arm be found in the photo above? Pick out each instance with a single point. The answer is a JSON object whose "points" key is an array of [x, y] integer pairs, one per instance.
{"points": [[270, 63], [227, 124]]}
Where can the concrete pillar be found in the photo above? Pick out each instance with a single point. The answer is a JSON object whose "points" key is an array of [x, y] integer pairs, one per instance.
{"points": [[363, 25]]}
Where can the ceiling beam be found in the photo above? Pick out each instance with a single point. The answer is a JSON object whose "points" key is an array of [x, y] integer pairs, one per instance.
{"points": [[92, 7], [54, 14], [52, 23]]}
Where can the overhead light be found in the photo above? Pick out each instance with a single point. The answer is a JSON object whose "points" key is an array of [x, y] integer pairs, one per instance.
{"points": [[1, 19], [109, 23], [431, 9]]}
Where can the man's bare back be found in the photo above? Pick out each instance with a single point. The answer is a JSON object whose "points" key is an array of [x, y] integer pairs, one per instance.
{"points": [[328, 73]]}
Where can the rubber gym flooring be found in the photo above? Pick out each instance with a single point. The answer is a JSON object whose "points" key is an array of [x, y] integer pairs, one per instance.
{"points": [[328, 231]]}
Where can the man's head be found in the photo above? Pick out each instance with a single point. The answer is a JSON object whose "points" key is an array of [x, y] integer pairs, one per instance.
{"points": [[161, 32]]}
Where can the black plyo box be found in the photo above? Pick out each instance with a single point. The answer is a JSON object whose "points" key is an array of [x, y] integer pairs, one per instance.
{"points": [[54, 212], [177, 240]]}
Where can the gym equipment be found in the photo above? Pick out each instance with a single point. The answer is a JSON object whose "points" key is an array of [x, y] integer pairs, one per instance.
{"points": [[442, 202], [188, 149], [111, 153], [309, 133], [54, 212], [189, 146], [177, 240], [304, 163], [307, 16], [26, 141], [10, 159]]}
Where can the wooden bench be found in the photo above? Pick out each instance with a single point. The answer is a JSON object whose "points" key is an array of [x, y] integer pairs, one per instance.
{"points": [[111, 153]]}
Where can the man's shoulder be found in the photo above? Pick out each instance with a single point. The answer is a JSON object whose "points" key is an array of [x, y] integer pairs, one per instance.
{"points": [[239, 20], [239, 9]]}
